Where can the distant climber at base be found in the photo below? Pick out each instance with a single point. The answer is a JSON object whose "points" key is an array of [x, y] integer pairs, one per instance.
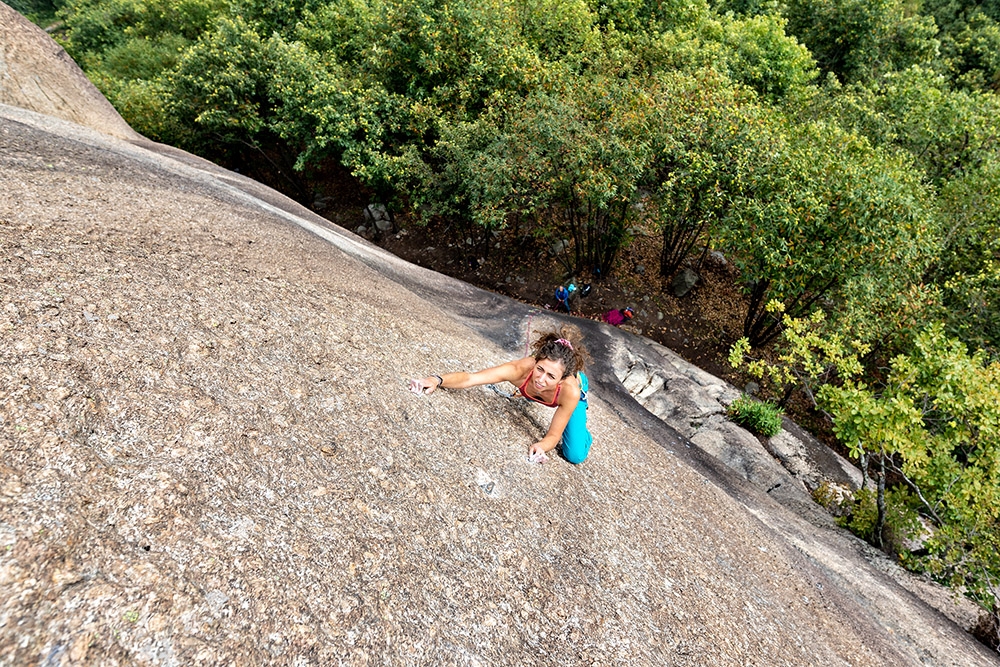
{"points": [[618, 316], [562, 298], [553, 376]]}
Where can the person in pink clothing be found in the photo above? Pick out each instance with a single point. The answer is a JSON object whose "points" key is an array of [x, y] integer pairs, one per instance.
{"points": [[618, 316]]}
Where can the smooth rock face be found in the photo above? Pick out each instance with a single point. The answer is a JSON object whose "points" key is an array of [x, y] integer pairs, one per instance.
{"points": [[223, 463], [37, 74], [208, 455]]}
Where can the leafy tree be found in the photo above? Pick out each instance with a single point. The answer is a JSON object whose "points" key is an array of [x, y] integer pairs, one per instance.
{"points": [[969, 269], [270, 17], [818, 210], [568, 160], [590, 151], [952, 136], [763, 57], [755, 52], [41, 12], [947, 132], [97, 25], [936, 425], [230, 95], [929, 425], [970, 41], [700, 121], [859, 40], [808, 357], [128, 47], [648, 16]]}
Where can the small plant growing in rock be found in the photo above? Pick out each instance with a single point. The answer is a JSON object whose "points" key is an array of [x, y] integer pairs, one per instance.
{"points": [[835, 498], [762, 418]]}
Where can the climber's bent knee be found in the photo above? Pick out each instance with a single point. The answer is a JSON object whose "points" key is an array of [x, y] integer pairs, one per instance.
{"points": [[576, 452]]}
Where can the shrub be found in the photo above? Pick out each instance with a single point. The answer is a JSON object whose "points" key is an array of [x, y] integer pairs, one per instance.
{"points": [[902, 523], [760, 418], [837, 499]]}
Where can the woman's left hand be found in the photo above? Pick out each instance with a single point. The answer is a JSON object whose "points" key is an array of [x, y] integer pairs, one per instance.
{"points": [[537, 448]]}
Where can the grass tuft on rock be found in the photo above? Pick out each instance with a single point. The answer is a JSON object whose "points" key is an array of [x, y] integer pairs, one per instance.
{"points": [[761, 418]]}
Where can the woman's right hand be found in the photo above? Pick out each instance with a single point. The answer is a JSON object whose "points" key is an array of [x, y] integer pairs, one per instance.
{"points": [[424, 386]]}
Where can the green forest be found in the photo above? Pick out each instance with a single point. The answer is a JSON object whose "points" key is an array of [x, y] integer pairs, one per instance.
{"points": [[843, 153]]}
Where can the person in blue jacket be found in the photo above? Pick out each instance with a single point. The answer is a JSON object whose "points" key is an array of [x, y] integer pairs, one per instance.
{"points": [[562, 298], [553, 376]]}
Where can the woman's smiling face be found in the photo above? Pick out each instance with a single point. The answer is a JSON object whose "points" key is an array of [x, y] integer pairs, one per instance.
{"points": [[547, 374]]}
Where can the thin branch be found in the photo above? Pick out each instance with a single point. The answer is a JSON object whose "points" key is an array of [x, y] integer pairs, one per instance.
{"points": [[920, 494]]}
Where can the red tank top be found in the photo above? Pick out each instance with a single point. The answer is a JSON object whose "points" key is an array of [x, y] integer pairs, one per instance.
{"points": [[555, 399]]}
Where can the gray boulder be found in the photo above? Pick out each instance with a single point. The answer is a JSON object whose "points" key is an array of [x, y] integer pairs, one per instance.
{"points": [[684, 281], [377, 216]]}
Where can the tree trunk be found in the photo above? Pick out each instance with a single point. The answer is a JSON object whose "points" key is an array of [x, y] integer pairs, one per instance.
{"points": [[880, 505]]}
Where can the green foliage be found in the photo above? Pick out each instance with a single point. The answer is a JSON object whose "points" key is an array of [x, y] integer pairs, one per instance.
{"points": [[810, 356], [951, 136], [859, 40], [902, 522], [970, 41], [762, 418], [41, 12], [648, 15], [969, 266], [936, 421], [814, 211], [97, 25], [947, 132], [764, 58], [862, 515], [932, 423]]}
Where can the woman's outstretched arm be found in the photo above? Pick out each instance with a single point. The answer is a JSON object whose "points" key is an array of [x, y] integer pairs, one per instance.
{"points": [[510, 371]]}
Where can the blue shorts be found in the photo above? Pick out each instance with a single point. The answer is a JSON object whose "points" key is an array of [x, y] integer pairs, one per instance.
{"points": [[576, 439]]}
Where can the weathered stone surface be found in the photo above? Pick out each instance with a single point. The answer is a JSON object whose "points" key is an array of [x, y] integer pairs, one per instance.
{"points": [[796, 457], [209, 456], [37, 74], [692, 401], [742, 452]]}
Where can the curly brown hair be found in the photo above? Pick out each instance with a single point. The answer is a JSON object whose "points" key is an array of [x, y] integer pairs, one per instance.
{"points": [[564, 345]]}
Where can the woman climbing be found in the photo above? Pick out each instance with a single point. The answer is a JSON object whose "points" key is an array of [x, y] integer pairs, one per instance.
{"points": [[553, 376]]}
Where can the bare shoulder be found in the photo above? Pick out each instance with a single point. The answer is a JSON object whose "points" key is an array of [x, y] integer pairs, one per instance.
{"points": [[570, 390], [525, 364], [522, 368]]}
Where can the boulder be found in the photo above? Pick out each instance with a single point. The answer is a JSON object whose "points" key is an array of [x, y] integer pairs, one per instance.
{"points": [[685, 279], [377, 216]]}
